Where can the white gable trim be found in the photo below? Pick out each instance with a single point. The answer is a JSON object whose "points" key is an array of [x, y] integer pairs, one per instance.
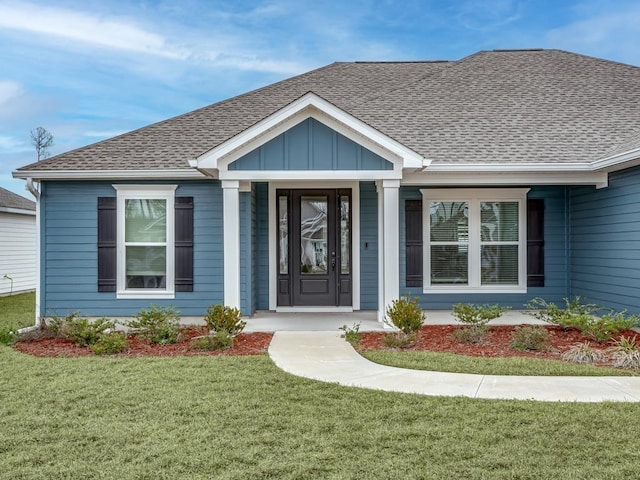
{"points": [[309, 105]]}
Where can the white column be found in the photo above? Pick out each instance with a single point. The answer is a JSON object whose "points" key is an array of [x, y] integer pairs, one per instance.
{"points": [[231, 233], [381, 307], [391, 242]]}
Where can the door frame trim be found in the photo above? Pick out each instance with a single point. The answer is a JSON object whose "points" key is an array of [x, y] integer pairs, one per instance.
{"points": [[355, 238]]}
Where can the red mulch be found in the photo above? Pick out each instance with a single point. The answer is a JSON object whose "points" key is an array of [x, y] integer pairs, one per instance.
{"points": [[244, 344], [439, 338]]}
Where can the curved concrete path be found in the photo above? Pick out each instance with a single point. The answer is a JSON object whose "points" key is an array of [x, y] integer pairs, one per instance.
{"points": [[326, 357]]}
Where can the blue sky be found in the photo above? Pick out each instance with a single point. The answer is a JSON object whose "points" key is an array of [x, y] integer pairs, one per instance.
{"points": [[91, 69]]}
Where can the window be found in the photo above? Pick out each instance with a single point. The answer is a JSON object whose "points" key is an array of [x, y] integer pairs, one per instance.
{"points": [[145, 241], [475, 240]]}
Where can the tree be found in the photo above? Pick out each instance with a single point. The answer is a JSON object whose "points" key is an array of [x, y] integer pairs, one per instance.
{"points": [[42, 140]]}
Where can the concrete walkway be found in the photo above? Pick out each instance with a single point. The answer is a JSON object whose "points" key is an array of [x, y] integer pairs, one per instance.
{"points": [[326, 357]]}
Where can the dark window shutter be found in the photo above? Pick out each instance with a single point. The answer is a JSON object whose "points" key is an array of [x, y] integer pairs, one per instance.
{"points": [[107, 244], [184, 244], [535, 242], [413, 242]]}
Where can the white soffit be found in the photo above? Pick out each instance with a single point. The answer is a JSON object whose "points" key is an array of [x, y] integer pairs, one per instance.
{"points": [[309, 105]]}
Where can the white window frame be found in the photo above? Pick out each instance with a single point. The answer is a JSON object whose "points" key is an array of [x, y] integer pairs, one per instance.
{"points": [[144, 192], [474, 197]]}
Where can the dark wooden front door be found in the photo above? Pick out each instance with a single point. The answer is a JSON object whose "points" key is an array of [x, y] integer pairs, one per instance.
{"points": [[314, 247]]}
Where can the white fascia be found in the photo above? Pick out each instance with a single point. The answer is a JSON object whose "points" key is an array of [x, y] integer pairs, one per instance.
{"points": [[163, 174], [309, 105], [620, 161], [17, 211], [508, 175]]}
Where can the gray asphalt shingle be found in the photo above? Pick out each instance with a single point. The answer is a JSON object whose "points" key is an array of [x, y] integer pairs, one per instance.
{"points": [[11, 200]]}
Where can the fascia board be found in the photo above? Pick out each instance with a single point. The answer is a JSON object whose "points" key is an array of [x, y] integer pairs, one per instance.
{"points": [[17, 211]]}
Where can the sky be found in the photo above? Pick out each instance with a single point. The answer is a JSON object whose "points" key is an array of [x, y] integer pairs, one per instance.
{"points": [[87, 70]]}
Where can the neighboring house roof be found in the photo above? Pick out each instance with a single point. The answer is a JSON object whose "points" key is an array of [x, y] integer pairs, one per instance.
{"points": [[493, 107], [11, 202]]}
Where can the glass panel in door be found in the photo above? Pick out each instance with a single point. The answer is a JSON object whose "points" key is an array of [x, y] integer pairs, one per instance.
{"points": [[313, 235]]}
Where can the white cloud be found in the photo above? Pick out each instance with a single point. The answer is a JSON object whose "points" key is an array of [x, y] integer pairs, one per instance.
{"points": [[103, 133], [8, 91], [10, 144], [86, 28]]}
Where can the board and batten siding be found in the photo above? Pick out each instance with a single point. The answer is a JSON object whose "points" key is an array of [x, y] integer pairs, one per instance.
{"points": [[605, 242], [555, 257], [69, 251], [17, 252]]}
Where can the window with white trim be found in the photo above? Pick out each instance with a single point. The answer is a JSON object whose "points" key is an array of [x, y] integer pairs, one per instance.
{"points": [[475, 240], [146, 244]]}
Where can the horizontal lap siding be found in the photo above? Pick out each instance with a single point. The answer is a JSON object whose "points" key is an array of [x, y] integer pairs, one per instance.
{"points": [[605, 242], [368, 246], [69, 251], [555, 260], [262, 246], [17, 252]]}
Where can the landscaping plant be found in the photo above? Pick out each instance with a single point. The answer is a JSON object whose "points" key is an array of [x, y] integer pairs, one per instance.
{"points": [[351, 334], [476, 318], [406, 315], [224, 324], [600, 329], [530, 337], [625, 353], [109, 343], [574, 314], [582, 353], [157, 324]]}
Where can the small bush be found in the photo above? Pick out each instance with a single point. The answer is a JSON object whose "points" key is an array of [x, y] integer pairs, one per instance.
{"points": [[8, 336], [216, 341], [221, 318], [157, 324], [625, 353], [400, 339], [601, 329], [406, 315], [574, 314], [351, 334], [472, 334], [583, 353], [531, 337], [80, 330], [476, 317], [110, 344]]}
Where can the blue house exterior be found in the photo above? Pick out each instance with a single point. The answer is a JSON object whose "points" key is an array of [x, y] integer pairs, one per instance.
{"points": [[340, 195]]}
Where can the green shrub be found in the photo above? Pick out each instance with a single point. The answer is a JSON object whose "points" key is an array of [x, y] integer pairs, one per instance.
{"points": [[625, 353], [406, 315], [400, 339], [574, 314], [530, 337], [351, 334], [80, 330], [601, 329], [582, 353], [110, 344], [216, 341], [476, 318], [8, 336], [221, 318], [157, 324]]}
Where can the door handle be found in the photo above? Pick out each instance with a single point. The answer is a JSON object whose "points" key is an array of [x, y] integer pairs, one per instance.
{"points": [[333, 261]]}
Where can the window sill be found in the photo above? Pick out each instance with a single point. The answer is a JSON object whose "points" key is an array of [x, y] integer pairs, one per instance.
{"points": [[463, 290], [145, 294]]}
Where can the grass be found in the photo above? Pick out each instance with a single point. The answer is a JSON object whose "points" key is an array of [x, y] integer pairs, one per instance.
{"points": [[449, 362], [242, 418], [17, 311]]}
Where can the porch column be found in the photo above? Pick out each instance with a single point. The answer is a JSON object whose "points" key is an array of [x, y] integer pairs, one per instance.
{"points": [[231, 234], [390, 239]]}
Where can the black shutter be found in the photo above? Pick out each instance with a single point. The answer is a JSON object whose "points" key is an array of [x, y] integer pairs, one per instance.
{"points": [[535, 242], [107, 244], [413, 242], [184, 244]]}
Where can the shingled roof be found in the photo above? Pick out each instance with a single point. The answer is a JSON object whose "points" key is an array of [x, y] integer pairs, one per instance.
{"points": [[521, 106], [13, 201]]}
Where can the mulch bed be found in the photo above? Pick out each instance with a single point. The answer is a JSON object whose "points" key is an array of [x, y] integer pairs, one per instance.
{"points": [[244, 344], [439, 338]]}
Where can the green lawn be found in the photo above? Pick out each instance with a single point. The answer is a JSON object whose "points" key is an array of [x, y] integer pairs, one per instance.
{"points": [[449, 362], [17, 311], [242, 418]]}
